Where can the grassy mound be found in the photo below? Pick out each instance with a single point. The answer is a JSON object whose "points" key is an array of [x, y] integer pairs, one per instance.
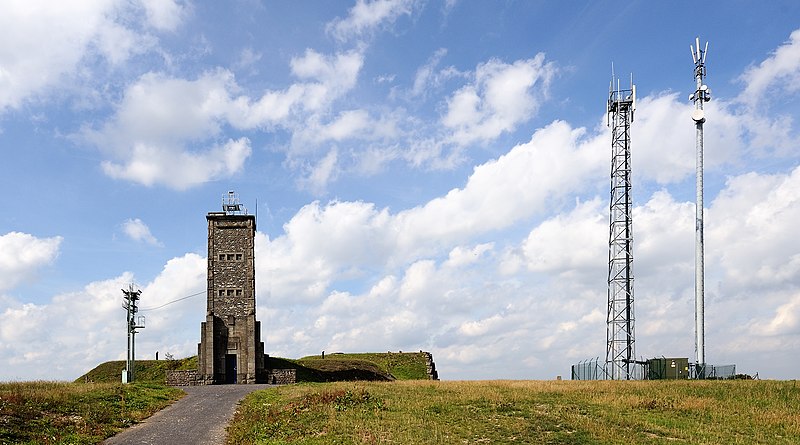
{"points": [[317, 370], [399, 365], [150, 371], [333, 368]]}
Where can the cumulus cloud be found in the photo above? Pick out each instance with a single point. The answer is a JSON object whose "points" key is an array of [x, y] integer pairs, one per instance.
{"points": [[167, 130], [557, 161], [752, 216], [501, 97], [572, 242], [781, 70], [22, 254], [366, 15], [44, 44], [165, 15], [153, 164], [137, 230]]}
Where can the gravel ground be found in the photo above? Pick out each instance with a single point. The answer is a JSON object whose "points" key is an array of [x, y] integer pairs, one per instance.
{"points": [[198, 418]]}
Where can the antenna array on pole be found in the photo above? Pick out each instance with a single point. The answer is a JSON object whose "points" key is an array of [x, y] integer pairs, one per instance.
{"points": [[231, 204], [620, 332], [133, 323], [701, 95]]}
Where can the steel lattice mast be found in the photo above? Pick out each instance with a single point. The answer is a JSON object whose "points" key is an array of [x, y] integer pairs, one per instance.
{"points": [[701, 95], [620, 333]]}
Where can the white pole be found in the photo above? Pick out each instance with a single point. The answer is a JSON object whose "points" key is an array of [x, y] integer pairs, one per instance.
{"points": [[701, 95]]}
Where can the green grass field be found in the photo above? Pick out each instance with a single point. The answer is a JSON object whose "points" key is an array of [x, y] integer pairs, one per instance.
{"points": [[534, 412], [75, 413]]}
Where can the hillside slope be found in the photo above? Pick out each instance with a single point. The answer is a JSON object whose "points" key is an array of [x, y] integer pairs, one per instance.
{"points": [[150, 371]]}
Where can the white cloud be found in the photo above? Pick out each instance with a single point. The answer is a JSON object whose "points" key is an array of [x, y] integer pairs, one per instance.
{"points": [[22, 254], [323, 172], [137, 230], [572, 242], [427, 77], [462, 256], [150, 165], [555, 162], [781, 70], [166, 130], [501, 97], [44, 44], [753, 219], [367, 15], [165, 15]]}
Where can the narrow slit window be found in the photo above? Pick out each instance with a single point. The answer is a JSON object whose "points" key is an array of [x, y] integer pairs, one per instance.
{"points": [[238, 257]]}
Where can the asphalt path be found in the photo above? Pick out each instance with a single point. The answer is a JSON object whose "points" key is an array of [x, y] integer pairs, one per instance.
{"points": [[199, 418]]}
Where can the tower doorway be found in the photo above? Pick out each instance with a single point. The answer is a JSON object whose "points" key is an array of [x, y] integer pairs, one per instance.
{"points": [[230, 368]]}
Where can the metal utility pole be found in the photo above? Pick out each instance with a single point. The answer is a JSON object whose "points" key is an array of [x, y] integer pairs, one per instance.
{"points": [[620, 332], [129, 304], [701, 95]]}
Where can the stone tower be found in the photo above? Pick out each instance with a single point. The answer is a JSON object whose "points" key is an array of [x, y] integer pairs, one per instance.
{"points": [[230, 349]]}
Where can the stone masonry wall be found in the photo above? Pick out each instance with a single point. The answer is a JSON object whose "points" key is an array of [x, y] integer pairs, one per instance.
{"points": [[190, 377], [282, 376], [431, 366], [182, 378]]}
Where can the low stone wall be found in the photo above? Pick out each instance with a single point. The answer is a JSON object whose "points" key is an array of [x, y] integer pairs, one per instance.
{"points": [[192, 378], [182, 378], [282, 376]]}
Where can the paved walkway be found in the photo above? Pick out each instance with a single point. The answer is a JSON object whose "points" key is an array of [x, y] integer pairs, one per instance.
{"points": [[199, 418]]}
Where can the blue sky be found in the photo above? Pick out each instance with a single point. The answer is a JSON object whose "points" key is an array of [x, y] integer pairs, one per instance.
{"points": [[427, 175]]}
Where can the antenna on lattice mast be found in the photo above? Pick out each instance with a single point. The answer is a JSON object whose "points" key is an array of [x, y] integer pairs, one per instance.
{"points": [[701, 95], [620, 332]]}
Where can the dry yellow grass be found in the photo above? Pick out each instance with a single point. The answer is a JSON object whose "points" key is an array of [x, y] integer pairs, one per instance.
{"points": [[426, 412]]}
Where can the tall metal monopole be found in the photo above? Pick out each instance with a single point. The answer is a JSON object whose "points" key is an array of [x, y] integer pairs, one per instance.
{"points": [[701, 95]]}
